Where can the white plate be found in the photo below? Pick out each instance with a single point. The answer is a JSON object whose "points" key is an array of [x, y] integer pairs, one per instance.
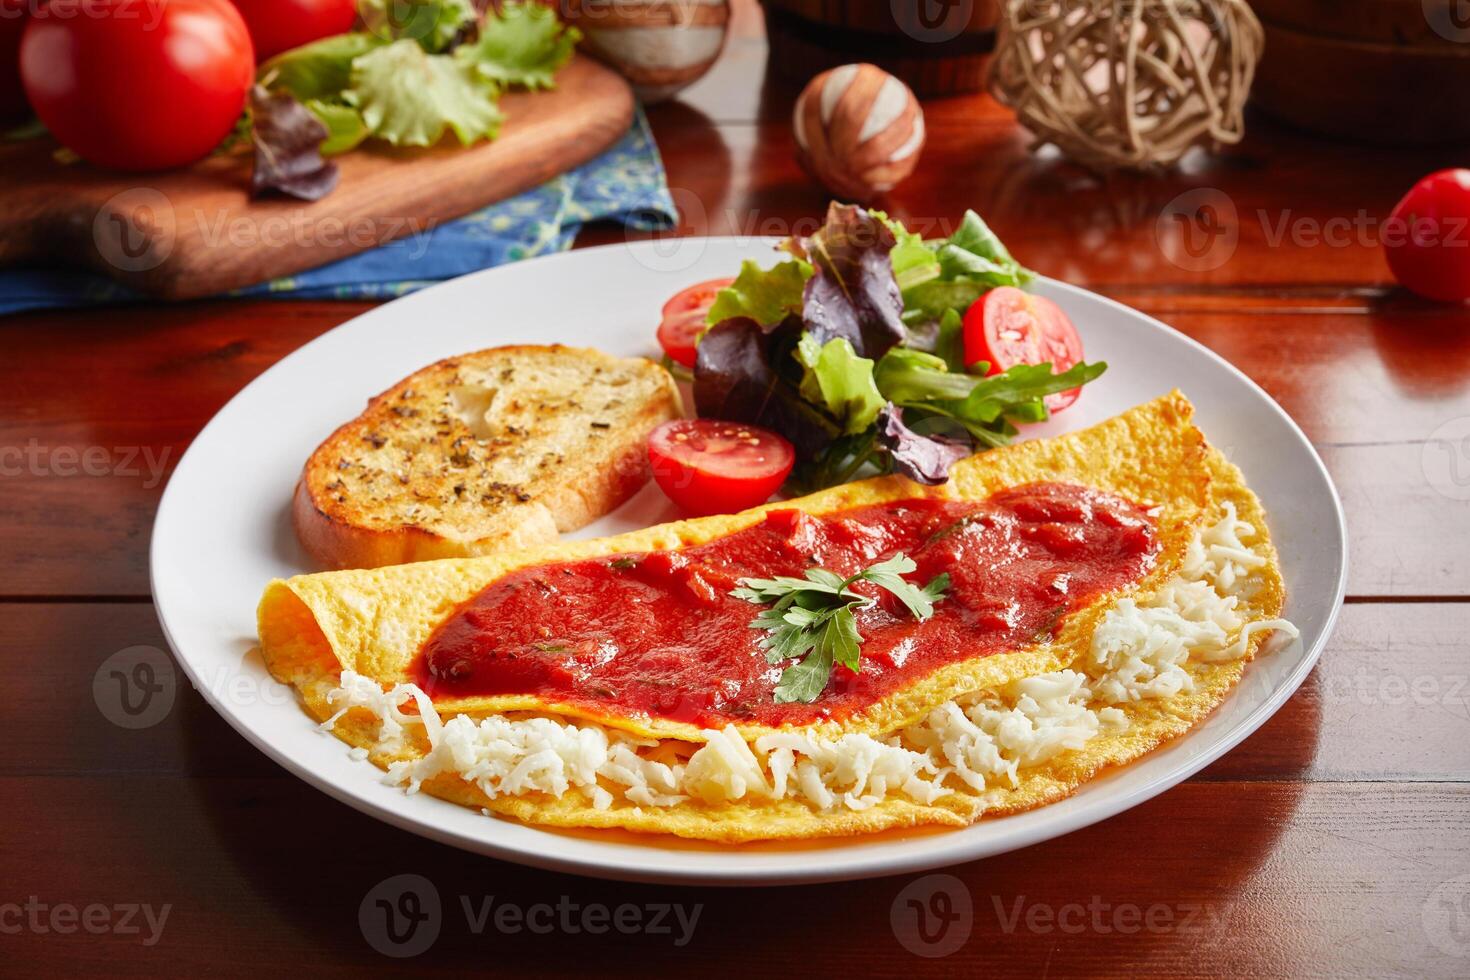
{"points": [[223, 530]]}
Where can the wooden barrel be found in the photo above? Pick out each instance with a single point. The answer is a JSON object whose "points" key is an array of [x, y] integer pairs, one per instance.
{"points": [[1375, 71], [937, 47], [1405, 23]]}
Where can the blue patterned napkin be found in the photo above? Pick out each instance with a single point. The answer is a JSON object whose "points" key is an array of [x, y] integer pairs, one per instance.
{"points": [[626, 184]]}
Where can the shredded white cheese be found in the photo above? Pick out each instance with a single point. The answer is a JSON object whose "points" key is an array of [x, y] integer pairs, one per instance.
{"points": [[987, 739], [1140, 649], [1217, 554]]}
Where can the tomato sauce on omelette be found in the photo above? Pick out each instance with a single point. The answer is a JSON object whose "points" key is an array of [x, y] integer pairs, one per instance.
{"points": [[658, 633]]}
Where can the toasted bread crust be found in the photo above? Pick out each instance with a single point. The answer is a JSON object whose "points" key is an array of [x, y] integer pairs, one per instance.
{"points": [[494, 450]]}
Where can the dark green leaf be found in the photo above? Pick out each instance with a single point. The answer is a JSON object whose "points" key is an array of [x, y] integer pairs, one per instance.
{"points": [[805, 680], [811, 619], [841, 637], [319, 70]]}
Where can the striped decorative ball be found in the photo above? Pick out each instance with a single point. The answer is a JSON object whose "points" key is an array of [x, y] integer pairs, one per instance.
{"points": [[859, 130], [660, 46]]}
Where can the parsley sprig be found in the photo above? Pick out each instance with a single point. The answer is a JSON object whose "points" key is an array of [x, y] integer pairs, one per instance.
{"points": [[811, 619]]}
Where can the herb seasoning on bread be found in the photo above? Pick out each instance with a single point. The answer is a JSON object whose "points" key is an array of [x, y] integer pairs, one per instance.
{"points": [[495, 450]]}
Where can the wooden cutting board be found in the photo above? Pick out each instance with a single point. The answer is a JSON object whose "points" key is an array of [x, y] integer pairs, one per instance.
{"points": [[196, 232]]}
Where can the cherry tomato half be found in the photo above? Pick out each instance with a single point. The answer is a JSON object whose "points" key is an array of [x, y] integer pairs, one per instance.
{"points": [[1427, 237], [280, 25], [683, 319], [138, 84], [1009, 326], [711, 467]]}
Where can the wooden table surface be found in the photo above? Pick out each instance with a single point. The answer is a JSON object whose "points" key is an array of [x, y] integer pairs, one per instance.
{"points": [[1335, 841]]}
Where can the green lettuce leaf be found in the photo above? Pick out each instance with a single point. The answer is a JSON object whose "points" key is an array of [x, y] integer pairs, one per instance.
{"points": [[932, 299], [950, 344], [910, 377], [524, 45], [975, 250], [319, 70], [914, 379], [437, 25], [345, 128], [970, 262], [838, 380], [767, 296], [409, 97], [914, 262], [1019, 392]]}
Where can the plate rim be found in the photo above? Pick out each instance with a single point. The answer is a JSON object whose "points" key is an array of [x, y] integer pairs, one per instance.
{"points": [[852, 866]]}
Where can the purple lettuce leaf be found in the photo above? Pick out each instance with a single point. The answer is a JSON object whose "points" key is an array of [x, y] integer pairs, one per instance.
{"points": [[924, 459], [735, 379], [853, 293], [288, 141]]}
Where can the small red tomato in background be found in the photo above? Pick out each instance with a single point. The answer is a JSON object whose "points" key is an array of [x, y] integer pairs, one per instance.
{"points": [[1427, 237], [138, 84], [1009, 326], [683, 319], [280, 25], [13, 14], [711, 467]]}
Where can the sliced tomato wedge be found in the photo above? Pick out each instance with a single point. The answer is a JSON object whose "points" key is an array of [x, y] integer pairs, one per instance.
{"points": [[1009, 326], [683, 319], [711, 467]]}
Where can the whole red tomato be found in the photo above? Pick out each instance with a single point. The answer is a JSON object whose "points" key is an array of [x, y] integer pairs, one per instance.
{"points": [[1427, 237], [280, 25], [12, 25], [138, 84]]}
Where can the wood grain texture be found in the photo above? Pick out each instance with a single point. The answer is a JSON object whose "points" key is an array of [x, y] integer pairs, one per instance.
{"points": [[1315, 879], [1282, 216], [197, 232], [1358, 89]]}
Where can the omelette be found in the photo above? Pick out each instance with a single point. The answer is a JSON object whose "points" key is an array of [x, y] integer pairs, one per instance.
{"points": [[1105, 589]]}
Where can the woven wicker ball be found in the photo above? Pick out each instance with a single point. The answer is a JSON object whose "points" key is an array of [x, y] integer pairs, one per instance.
{"points": [[1128, 84], [858, 130]]}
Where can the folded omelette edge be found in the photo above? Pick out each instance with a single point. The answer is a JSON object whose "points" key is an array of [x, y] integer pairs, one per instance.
{"points": [[314, 627], [373, 622]]}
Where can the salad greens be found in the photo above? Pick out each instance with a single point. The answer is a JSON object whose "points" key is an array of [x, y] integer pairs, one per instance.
{"points": [[406, 79], [811, 619], [767, 296], [288, 140], [853, 349], [409, 97]]}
